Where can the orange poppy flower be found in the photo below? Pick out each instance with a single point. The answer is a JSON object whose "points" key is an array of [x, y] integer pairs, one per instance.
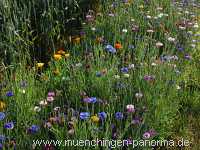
{"points": [[118, 45]]}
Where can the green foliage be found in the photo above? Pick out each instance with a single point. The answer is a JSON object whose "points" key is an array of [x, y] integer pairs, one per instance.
{"points": [[161, 82]]}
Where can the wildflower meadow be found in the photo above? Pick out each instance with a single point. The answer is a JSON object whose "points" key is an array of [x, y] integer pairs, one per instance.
{"points": [[99, 74]]}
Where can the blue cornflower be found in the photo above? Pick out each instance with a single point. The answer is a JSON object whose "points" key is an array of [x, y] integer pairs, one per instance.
{"points": [[110, 48], [179, 47], [93, 99], [9, 93], [2, 116], [84, 115], [90, 99], [9, 125], [2, 138], [119, 116], [102, 115], [124, 70], [34, 129]]}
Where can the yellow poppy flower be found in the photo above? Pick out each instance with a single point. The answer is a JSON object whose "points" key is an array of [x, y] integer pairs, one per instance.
{"points": [[2, 106], [95, 119], [67, 55], [57, 56], [40, 65]]}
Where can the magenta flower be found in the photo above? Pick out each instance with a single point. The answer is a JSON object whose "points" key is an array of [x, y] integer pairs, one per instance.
{"points": [[51, 94], [149, 78], [146, 135], [130, 108]]}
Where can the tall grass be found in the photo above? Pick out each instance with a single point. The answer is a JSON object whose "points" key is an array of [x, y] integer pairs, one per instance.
{"points": [[155, 79]]}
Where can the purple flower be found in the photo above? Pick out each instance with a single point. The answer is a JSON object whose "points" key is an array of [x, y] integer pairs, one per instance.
{"points": [[152, 132], [149, 78], [188, 57], [124, 70], [130, 108], [2, 116], [9, 125], [34, 129], [82, 33], [102, 115], [146, 135], [9, 93], [51, 94], [89, 18], [84, 115], [110, 48], [90, 100], [136, 120], [180, 48], [1, 146], [119, 116], [2, 138]]}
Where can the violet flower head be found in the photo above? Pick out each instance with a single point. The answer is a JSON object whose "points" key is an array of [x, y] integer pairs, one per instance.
{"points": [[102, 115], [124, 70], [130, 108], [9, 94], [136, 121], [2, 116], [89, 18], [188, 57], [51, 94], [90, 100], [33, 129], [9, 125], [2, 138], [119, 116], [149, 78], [146, 135], [152, 132], [110, 49], [84, 115]]}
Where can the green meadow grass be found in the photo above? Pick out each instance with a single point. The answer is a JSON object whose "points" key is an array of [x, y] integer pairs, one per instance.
{"points": [[169, 88]]}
